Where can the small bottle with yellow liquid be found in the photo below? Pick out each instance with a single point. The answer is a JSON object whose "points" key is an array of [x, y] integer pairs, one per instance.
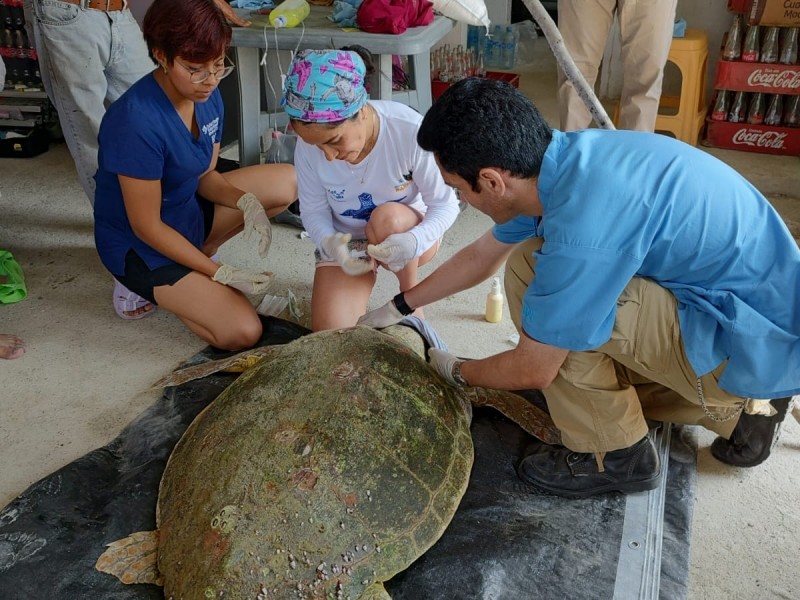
{"points": [[494, 302]]}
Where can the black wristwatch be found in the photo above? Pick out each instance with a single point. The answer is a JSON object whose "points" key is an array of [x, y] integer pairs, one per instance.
{"points": [[401, 305], [456, 373]]}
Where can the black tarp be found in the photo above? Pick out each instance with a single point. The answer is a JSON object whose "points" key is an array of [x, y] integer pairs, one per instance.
{"points": [[506, 542]]}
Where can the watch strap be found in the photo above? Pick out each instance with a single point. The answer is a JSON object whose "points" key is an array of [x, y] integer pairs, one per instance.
{"points": [[401, 305]]}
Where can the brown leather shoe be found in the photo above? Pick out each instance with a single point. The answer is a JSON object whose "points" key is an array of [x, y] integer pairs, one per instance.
{"points": [[753, 439], [562, 472]]}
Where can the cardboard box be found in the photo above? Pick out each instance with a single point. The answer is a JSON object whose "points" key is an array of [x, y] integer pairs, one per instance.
{"points": [[780, 13], [753, 138], [770, 78]]}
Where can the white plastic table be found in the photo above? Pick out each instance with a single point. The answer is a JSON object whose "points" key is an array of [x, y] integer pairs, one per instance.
{"points": [[320, 33]]}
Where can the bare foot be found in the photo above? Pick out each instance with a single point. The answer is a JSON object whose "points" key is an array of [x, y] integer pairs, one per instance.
{"points": [[11, 346], [139, 312]]}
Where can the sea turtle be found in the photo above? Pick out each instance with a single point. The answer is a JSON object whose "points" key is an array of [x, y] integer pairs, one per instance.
{"points": [[321, 472]]}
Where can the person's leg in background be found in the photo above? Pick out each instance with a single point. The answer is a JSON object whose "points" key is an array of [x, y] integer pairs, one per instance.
{"points": [[75, 47], [584, 25], [128, 60], [646, 31]]}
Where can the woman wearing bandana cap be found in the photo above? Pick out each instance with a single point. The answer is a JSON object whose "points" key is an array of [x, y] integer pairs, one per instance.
{"points": [[368, 194]]}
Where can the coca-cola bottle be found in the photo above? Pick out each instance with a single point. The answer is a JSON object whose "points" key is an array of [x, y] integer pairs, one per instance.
{"points": [[755, 111], [750, 49], [733, 43], [774, 111], [721, 103], [738, 112], [769, 45], [791, 112], [788, 55]]}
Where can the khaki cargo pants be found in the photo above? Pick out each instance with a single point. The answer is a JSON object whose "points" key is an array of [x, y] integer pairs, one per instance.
{"points": [[600, 398]]}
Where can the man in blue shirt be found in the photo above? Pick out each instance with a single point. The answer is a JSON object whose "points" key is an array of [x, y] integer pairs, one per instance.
{"points": [[647, 280]]}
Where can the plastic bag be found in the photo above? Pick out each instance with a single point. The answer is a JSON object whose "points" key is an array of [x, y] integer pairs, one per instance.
{"points": [[281, 148], [471, 12], [12, 283]]}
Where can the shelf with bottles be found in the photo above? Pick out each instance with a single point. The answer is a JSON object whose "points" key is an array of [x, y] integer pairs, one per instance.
{"points": [[22, 64]]}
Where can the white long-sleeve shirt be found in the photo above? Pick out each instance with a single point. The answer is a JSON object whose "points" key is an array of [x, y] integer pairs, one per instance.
{"points": [[334, 199]]}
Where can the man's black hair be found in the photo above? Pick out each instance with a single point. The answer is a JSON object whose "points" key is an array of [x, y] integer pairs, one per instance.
{"points": [[480, 122]]}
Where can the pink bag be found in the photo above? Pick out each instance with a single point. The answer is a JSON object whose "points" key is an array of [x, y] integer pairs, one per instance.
{"points": [[393, 16]]}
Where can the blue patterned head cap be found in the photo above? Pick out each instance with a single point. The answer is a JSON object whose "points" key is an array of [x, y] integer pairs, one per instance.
{"points": [[325, 86]]}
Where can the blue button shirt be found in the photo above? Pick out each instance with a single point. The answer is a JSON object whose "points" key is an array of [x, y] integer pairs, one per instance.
{"points": [[619, 204]]}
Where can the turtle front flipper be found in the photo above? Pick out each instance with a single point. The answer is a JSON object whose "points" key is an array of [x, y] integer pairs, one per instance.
{"points": [[528, 416], [376, 591], [133, 559], [232, 364]]}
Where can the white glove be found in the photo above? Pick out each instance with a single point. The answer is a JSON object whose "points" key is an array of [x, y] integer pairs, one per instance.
{"points": [[381, 317], [395, 251], [255, 219], [444, 362], [244, 281], [334, 247]]}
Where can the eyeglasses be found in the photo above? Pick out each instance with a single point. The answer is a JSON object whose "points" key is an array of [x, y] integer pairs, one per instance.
{"points": [[200, 75]]}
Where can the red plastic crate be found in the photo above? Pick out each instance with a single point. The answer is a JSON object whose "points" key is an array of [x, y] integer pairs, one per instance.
{"points": [[739, 6], [753, 138], [439, 87], [770, 78]]}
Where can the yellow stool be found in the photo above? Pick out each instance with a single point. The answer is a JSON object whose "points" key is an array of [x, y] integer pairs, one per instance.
{"points": [[690, 55]]}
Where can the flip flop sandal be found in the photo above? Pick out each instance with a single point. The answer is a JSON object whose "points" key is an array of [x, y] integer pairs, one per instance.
{"points": [[126, 301], [12, 282]]}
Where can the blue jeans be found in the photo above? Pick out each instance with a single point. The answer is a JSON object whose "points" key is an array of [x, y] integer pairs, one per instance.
{"points": [[87, 59]]}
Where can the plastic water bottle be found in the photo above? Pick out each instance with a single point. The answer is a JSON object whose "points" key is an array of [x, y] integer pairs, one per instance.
{"points": [[509, 48], [494, 49], [289, 13]]}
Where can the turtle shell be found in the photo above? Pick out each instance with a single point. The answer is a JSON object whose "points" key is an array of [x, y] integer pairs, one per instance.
{"points": [[332, 464]]}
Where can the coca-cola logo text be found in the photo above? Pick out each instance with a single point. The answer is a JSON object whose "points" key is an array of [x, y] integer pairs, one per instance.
{"points": [[759, 139], [773, 78]]}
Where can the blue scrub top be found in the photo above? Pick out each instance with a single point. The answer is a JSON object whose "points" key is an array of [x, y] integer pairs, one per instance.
{"points": [[619, 204], [142, 136]]}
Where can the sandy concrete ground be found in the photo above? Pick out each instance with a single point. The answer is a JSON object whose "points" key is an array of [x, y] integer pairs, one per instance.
{"points": [[86, 373]]}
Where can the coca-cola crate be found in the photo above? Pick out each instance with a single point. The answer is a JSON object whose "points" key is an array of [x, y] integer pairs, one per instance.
{"points": [[753, 138], [770, 78], [440, 87]]}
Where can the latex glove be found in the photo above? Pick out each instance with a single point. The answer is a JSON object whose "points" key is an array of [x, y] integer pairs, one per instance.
{"points": [[334, 247], [255, 220], [246, 282], [381, 317], [395, 251], [444, 362]]}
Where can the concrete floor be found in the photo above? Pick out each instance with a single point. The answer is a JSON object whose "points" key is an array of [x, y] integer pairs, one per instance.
{"points": [[86, 373]]}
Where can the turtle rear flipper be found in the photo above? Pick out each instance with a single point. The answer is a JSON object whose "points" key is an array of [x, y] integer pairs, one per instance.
{"points": [[525, 414], [133, 559]]}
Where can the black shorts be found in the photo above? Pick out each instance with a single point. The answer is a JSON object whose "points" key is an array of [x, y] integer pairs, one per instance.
{"points": [[141, 280]]}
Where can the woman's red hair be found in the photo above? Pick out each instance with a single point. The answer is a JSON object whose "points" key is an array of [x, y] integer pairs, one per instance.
{"points": [[195, 30]]}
